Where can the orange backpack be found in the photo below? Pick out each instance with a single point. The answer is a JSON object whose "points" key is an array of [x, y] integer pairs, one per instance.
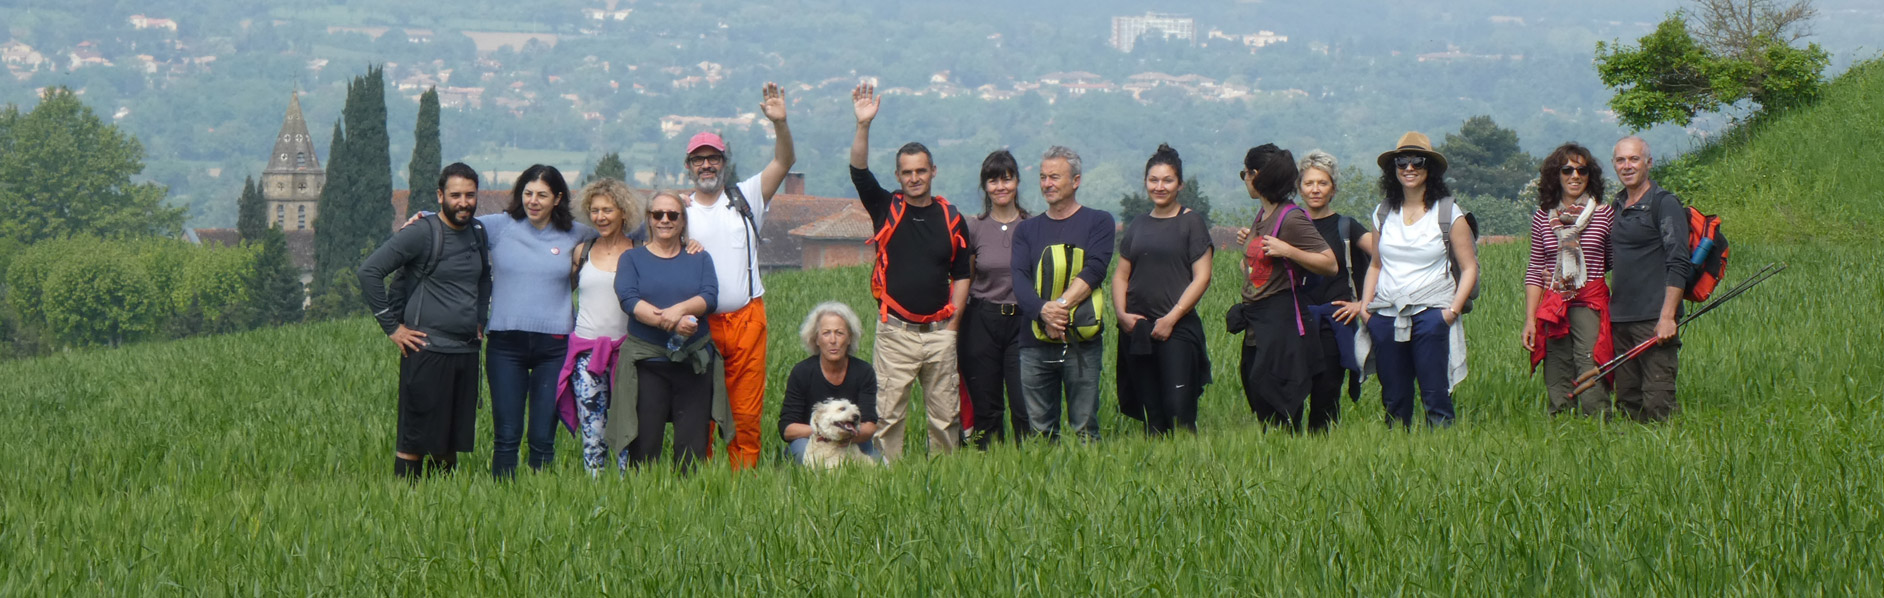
{"points": [[878, 273], [1707, 251]]}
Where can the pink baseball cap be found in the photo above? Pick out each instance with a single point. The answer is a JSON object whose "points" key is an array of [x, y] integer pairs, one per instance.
{"points": [[706, 139]]}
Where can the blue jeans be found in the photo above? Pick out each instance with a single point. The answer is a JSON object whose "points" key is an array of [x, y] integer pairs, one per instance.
{"points": [[797, 450], [1423, 358], [1053, 372], [522, 368]]}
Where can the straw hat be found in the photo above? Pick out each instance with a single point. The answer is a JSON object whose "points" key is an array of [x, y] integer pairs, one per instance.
{"points": [[1414, 142]]}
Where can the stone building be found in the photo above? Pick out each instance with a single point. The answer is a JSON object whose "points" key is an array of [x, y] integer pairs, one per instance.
{"points": [[291, 185]]}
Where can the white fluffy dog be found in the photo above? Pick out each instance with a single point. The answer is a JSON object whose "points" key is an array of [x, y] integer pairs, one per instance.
{"points": [[833, 425]]}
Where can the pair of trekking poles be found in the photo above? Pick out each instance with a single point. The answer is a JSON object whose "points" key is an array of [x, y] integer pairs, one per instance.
{"points": [[1588, 379]]}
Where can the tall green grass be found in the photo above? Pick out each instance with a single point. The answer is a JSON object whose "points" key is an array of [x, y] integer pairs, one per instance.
{"points": [[259, 463]]}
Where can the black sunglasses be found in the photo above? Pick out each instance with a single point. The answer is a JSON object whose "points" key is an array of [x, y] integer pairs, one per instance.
{"points": [[1576, 170], [1413, 161], [673, 215]]}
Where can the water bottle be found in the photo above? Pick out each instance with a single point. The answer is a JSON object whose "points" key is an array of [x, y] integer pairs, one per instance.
{"points": [[675, 341]]}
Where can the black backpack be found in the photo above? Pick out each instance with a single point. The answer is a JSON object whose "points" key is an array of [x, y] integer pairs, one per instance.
{"points": [[406, 281]]}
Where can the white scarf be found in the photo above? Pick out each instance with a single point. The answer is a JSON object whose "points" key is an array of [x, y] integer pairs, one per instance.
{"points": [[1571, 271]]}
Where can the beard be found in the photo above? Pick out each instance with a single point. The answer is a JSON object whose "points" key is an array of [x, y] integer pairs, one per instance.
{"points": [[458, 216], [706, 182]]}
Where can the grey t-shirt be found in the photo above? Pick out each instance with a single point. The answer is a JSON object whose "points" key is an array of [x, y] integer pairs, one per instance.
{"points": [[994, 254], [1161, 251], [450, 306]]}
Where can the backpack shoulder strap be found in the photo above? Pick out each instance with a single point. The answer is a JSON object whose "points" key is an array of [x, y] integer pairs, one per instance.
{"points": [[1445, 224], [1380, 216], [1344, 228], [438, 246]]}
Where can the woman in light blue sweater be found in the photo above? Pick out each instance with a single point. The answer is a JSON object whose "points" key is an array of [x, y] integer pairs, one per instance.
{"points": [[531, 314]]}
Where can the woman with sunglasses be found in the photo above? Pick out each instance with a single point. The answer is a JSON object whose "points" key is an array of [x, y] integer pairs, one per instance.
{"points": [[667, 368], [1281, 341], [1566, 301], [1413, 302]]}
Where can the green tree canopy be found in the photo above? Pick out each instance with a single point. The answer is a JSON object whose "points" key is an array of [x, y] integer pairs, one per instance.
{"points": [[1484, 159], [251, 212], [1135, 204], [609, 167], [66, 172], [1669, 77]]}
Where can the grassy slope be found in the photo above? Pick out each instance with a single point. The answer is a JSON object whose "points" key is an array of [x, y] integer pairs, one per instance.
{"points": [[257, 462]]}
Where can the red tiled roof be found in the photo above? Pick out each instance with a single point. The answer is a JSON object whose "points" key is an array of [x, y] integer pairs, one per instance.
{"points": [[490, 201], [224, 237], [788, 212], [851, 223]]}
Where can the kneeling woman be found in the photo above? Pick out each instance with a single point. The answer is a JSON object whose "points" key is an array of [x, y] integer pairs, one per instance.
{"points": [[667, 369], [830, 332], [1282, 345], [1164, 268]]}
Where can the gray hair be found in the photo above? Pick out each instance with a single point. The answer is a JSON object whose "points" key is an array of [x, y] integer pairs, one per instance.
{"points": [[1064, 153], [1647, 156], [1322, 161], [808, 332]]}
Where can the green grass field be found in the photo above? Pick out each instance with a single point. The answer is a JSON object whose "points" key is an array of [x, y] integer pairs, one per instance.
{"points": [[258, 464]]}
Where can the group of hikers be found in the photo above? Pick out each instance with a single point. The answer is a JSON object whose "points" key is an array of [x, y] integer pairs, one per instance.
{"points": [[652, 313]]}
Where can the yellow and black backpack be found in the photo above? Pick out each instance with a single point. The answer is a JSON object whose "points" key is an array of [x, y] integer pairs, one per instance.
{"points": [[1059, 265]]}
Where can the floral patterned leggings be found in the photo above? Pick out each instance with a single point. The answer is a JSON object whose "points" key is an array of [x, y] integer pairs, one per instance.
{"points": [[592, 414]]}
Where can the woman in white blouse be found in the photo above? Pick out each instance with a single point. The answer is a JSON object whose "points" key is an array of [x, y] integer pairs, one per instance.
{"points": [[1412, 296]]}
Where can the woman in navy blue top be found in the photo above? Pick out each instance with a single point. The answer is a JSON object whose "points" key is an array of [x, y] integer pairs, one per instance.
{"points": [[669, 292]]}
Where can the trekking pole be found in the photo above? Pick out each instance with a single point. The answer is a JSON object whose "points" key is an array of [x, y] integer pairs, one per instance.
{"points": [[1589, 378]]}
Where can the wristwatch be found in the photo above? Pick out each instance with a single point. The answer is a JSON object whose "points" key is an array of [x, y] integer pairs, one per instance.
{"points": [[1062, 301]]}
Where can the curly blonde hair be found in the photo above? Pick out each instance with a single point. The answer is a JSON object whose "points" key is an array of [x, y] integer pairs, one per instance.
{"points": [[628, 202]]}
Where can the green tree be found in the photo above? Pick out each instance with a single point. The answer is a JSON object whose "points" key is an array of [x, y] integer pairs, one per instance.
{"points": [[1132, 205], [356, 207], [329, 226], [101, 297], [251, 211], [66, 172], [1484, 159], [609, 167], [427, 157], [1669, 76], [278, 294]]}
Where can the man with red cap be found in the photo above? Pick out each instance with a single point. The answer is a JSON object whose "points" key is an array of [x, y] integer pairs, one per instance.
{"points": [[726, 217]]}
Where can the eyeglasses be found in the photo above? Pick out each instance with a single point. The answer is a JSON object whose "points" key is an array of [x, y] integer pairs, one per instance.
{"points": [[1415, 162], [657, 215], [1576, 170], [1244, 174], [715, 160]]}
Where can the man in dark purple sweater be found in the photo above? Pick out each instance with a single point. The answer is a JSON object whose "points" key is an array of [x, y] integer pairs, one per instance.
{"points": [[1055, 366]]}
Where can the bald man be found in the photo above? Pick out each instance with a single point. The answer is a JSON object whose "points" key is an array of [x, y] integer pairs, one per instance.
{"points": [[1649, 271]]}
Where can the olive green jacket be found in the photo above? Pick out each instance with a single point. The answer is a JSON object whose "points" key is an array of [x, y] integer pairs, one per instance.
{"points": [[623, 424]]}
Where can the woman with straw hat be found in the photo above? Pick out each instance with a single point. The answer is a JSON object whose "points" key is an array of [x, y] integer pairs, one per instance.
{"points": [[1419, 282]]}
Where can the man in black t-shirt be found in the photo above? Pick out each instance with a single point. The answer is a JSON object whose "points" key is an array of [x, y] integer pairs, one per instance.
{"points": [[920, 280]]}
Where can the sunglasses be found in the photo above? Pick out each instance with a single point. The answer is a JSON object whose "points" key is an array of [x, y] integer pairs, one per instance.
{"points": [[1576, 170], [1416, 162], [673, 215]]}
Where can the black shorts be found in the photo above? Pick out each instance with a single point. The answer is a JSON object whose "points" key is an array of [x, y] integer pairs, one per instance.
{"points": [[438, 403]]}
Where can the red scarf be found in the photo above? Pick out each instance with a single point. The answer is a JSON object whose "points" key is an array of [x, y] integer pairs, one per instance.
{"points": [[1553, 320]]}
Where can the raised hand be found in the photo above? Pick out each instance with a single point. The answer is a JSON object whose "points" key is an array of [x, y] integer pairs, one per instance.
{"points": [[773, 104], [866, 101]]}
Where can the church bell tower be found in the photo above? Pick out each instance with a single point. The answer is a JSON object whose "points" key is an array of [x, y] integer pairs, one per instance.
{"points": [[291, 185]]}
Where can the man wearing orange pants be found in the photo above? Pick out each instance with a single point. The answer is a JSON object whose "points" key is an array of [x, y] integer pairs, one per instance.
{"points": [[726, 220]]}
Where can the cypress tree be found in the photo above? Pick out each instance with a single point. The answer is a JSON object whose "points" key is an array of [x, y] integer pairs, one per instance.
{"points": [[330, 225], [277, 285], [427, 157], [251, 212]]}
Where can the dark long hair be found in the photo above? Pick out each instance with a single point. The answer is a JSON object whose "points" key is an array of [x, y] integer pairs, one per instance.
{"points": [[560, 217], [1396, 195], [1275, 180], [1550, 183], [999, 163]]}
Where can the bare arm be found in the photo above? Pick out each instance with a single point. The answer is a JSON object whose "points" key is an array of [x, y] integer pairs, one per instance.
{"points": [[1200, 282], [783, 155], [865, 102], [1367, 286], [1468, 267], [1533, 295], [1121, 276], [958, 299]]}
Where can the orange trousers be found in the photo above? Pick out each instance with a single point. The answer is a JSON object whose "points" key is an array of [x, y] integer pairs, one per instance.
{"points": [[740, 336]]}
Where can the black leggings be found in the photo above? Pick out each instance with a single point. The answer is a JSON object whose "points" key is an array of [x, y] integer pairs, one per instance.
{"points": [[668, 391]]}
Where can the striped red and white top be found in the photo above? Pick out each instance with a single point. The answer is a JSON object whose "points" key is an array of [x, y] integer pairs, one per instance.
{"points": [[1595, 240]]}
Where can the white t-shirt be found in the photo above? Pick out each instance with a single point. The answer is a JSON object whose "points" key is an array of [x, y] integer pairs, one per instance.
{"points": [[733, 246], [598, 312], [1413, 256]]}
